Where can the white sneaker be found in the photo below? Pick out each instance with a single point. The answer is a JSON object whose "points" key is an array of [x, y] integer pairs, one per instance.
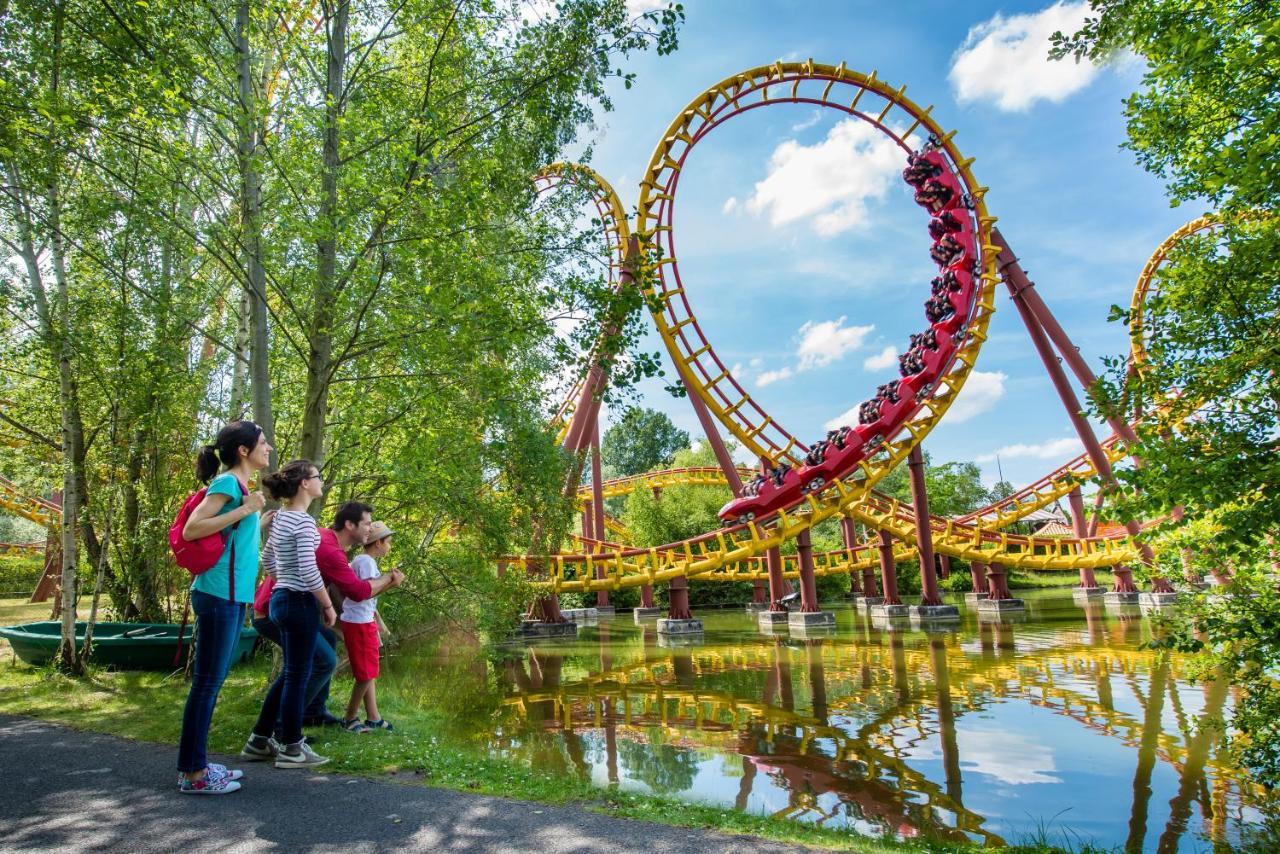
{"points": [[257, 749], [209, 784], [299, 755]]}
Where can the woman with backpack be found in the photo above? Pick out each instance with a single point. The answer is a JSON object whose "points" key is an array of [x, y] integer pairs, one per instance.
{"points": [[299, 603], [219, 595]]}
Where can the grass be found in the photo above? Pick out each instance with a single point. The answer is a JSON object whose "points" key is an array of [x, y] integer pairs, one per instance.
{"points": [[1054, 580]]}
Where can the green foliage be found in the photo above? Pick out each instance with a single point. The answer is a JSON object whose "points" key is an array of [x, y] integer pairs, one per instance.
{"points": [[641, 440], [1207, 120], [20, 572]]}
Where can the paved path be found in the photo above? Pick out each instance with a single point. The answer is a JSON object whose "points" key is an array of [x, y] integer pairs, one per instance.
{"points": [[65, 790]]}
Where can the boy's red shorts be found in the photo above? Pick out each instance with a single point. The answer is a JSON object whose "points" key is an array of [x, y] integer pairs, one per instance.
{"points": [[362, 648]]}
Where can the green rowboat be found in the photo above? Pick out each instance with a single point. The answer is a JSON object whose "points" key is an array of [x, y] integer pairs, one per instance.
{"points": [[121, 646]]}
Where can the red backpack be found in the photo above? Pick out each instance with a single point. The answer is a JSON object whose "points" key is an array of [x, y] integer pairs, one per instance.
{"points": [[198, 556]]}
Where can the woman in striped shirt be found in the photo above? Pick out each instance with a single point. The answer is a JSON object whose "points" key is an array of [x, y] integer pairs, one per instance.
{"points": [[290, 556]]}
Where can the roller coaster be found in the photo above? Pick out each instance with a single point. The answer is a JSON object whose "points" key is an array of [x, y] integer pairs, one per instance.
{"points": [[800, 485]]}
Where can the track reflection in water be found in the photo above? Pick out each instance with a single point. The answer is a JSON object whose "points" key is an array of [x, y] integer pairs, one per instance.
{"points": [[989, 732]]}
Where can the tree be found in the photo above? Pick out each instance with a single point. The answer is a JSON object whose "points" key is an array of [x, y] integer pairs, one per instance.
{"points": [[642, 440], [1206, 119]]}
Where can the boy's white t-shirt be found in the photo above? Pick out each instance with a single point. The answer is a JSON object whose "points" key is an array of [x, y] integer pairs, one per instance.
{"points": [[362, 612]]}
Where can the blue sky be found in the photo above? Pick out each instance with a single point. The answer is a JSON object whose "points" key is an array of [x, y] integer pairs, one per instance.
{"points": [[805, 261]]}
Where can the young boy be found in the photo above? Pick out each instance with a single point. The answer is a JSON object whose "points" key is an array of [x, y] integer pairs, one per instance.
{"points": [[360, 628]]}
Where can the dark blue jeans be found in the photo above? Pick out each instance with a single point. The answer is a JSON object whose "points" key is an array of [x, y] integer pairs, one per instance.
{"points": [[298, 619], [218, 623], [323, 663]]}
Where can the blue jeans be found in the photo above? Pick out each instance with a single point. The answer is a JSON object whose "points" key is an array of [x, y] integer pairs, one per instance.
{"points": [[218, 623], [296, 614], [323, 663]]}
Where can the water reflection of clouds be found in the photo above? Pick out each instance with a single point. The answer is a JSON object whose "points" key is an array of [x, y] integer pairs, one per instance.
{"points": [[1014, 759]]}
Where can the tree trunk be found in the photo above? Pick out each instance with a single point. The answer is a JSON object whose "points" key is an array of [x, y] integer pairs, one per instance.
{"points": [[240, 371], [320, 358], [251, 226]]}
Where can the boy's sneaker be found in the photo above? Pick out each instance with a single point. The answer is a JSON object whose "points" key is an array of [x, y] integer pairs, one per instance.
{"points": [[354, 725], [209, 784], [380, 723], [299, 755], [259, 749]]}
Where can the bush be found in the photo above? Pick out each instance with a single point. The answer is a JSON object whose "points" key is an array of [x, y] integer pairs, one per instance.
{"points": [[20, 572]]}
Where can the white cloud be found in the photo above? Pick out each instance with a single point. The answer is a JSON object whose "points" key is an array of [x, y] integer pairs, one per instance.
{"points": [[981, 392], [829, 182], [1007, 59], [730, 205], [771, 377], [1013, 759], [636, 7], [757, 362], [849, 417], [886, 358], [813, 119], [1049, 450], [827, 342]]}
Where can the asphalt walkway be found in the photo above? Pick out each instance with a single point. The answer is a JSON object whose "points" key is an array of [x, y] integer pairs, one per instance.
{"points": [[66, 790]]}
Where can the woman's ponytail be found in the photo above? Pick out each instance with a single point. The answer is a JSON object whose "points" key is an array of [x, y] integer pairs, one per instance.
{"points": [[284, 484], [207, 464]]}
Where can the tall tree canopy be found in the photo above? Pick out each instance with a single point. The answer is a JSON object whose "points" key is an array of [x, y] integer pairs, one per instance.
{"points": [[1207, 120], [317, 214]]}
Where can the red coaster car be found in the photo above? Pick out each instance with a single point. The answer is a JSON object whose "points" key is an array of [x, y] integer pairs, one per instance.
{"points": [[831, 458], [935, 359], [922, 167], [763, 495], [940, 193]]}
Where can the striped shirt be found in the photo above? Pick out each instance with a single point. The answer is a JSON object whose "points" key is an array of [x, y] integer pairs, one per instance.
{"points": [[290, 554]]}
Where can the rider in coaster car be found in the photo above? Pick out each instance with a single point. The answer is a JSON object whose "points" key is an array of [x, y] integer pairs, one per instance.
{"points": [[779, 473], [918, 170], [869, 411], [945, 251], [753, 485], [933, 195], [837, 437], [910, 362], [888, 391], [943, 223], [938, 307], [945, 284], [817, 453]]}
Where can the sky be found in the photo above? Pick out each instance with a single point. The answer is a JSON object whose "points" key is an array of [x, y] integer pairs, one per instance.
{"points": [[802, 253]]}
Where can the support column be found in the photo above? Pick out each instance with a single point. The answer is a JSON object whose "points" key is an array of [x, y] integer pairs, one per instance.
{"points": [[978, 578], [1088, 582], [777, 612], [809, 616], [597, 510], [999, 600], [850, 540], [892, 605], [924, 534], [1017, 282], [944, 566]]}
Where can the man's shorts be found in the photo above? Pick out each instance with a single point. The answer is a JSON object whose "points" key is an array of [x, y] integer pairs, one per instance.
{"points": [[362, 648]]}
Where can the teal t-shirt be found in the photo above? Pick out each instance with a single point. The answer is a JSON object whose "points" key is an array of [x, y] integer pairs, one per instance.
{"points": [[217, 581]]}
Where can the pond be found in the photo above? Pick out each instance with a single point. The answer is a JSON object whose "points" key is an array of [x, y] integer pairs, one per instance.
{"points": [[1057, 724]]}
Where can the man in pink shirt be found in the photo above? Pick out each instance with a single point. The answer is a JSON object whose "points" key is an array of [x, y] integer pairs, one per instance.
{"points": [[350, 528]]}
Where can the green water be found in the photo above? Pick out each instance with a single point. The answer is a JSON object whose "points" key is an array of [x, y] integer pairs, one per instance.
{"points": [[992, 732]]}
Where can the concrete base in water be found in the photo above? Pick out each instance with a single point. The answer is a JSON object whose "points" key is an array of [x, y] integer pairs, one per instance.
{"points": [[679, 627], [530, 629], [772, 618], [647, 613], [1001, 605], [604, 610], [992, 616], [679, 641], [1157, 600], [1111, 597], [1083, 594], [810, 619], [971, 599], [866, 602], [934, 613], [890, 611], [579, 615], [890, 624]]}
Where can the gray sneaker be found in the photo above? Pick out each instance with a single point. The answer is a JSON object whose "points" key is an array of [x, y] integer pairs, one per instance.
{"points": [[299, 755], [259, 749]]}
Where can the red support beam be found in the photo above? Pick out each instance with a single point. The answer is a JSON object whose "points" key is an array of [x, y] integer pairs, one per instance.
{"points": [[850, 540], [978, 576], [1081, 530], [777, 584], [888, 571], [808, 582], [597, 507], [997, 582], [924, 534], [1017, 282]]}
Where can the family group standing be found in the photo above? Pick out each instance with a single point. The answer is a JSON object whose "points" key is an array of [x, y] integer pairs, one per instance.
{"points": [[292, 607]]}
